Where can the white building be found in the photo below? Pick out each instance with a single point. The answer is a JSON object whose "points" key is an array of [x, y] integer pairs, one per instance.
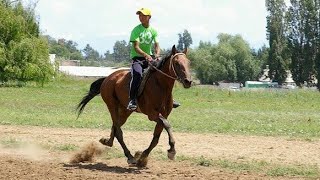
{"points": [[88, 71]]}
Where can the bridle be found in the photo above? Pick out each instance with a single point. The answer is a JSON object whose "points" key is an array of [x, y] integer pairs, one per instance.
{"points": [[171, 65]]}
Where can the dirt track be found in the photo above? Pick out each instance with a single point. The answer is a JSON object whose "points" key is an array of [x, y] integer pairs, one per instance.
{"points": [[33, 162]]}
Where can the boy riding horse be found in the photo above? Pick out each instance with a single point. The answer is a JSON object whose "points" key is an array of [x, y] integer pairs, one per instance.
{"points": [[141, 38]]}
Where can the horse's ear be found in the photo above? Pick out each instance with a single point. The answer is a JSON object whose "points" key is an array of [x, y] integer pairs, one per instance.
{"points": [[185, 51], [173, 50]]}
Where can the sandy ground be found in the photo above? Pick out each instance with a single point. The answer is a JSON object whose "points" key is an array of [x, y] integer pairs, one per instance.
{"points": [[32, 161]]}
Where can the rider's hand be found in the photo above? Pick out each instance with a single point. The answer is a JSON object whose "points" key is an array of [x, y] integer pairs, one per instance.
{"points": [[148, 57]]}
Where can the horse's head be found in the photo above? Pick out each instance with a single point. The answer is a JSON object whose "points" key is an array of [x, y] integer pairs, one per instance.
{"points": [[181, 66]]}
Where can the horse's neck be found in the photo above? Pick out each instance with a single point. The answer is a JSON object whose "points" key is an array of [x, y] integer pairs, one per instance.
{"points": [[164, 80]]}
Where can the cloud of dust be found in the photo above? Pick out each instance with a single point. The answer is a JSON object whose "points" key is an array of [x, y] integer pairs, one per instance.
{"points": [[33, 152], [87, 153], [27, 151]]}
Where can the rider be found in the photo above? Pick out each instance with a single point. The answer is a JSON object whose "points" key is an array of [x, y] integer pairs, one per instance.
{"points": [[141, 39]]}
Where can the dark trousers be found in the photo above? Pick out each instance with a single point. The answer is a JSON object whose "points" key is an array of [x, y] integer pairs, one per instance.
{"points": [[137, 68]]}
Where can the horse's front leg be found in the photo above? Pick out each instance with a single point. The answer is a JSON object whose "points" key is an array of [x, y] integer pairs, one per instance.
{"points": [[167, 126], [142, 161], [161, 123]]}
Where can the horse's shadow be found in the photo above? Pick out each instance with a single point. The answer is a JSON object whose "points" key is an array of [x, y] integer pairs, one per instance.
{"points": [[103, 167]]}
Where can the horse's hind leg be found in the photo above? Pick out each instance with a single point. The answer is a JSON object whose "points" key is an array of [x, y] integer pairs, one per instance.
{"points": [[108, 142], [119, 116], [127, 153]]}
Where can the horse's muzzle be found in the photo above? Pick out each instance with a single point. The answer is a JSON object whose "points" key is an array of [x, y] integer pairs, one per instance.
{"points": [[187, 83]]}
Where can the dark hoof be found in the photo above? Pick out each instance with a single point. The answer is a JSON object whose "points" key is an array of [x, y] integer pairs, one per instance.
{"points": [[171, 155], [106, 142], [132, 162], [142, 160]]}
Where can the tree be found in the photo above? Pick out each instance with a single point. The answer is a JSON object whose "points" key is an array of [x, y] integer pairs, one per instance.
{"points": [[278, 58], [180, 42], [302, 19], [230, 60], [261, 56], [31, 25], [58, 48], [208, 71], [108, 56], [185, 40], [317, 61], [121, 51], [90, 53], [205, 45], [28, 61], [65, 49], [3, 63], [9, 3], [23, 52]]}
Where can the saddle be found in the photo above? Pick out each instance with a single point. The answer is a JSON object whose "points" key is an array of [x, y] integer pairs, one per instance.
{"points": [[146, 75]]}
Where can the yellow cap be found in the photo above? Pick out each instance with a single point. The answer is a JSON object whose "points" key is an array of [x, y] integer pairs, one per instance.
{"points": [[144, 11]]}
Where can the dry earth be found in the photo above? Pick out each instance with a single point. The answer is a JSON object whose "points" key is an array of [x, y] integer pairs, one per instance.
{"points": [[32, 161]]}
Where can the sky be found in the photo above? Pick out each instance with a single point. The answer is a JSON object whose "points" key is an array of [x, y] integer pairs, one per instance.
{"points": [[100, 23]]}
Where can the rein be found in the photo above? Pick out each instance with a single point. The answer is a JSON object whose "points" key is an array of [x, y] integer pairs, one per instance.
{"points": [[172, 67]]}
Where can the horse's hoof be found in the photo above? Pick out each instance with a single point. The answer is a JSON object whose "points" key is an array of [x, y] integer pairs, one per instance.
{"points": [[171, 155], [142, 162], [106, 142], [132, 162]]}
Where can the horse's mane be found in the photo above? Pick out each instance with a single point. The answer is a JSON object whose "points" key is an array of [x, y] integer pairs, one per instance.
{"points": [[163, 60]]}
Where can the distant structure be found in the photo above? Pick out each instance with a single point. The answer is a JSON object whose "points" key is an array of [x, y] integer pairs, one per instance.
{"points": [[70, 63], [289, 80], [73, 68], [266, 82], [265, 75], [52, 59], [226, 85], [88, 71]]}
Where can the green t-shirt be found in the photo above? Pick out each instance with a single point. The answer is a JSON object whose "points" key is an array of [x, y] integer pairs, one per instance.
{"points": [[145, 37]]}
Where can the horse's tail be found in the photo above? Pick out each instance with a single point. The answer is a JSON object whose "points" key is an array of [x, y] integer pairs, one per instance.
{"points": [[94, 90]]}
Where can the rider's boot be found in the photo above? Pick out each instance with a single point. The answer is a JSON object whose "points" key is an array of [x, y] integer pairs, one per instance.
{"points": [[134, 86]]}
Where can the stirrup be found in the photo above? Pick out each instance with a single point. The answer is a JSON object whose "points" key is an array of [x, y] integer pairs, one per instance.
{"points": [[132, 105]]}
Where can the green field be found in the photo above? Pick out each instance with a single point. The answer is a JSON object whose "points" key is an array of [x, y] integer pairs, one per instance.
{"points": [[204, 110]]}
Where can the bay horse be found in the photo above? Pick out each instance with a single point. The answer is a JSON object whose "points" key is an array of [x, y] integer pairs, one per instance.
{"points": [[155, 101]]}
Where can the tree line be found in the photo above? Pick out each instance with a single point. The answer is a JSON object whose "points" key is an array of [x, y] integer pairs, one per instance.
{"points": [[68, 50], [293, 32]]}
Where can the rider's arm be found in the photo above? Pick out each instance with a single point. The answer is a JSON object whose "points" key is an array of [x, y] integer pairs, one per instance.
{"points": [[139, 51], [157, 50]]}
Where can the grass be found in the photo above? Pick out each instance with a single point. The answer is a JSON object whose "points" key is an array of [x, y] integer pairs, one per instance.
{"points": [[65, 147], [270, 169], [11, 143], [203, 110], [112, 153]]}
